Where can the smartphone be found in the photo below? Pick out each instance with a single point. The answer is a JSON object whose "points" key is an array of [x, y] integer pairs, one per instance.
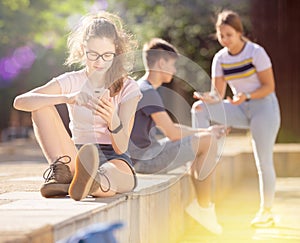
{"points": [[100, 93]]}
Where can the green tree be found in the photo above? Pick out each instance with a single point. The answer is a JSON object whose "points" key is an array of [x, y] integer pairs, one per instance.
{"points": [[188, 24], [32, 44], [33, 35]]}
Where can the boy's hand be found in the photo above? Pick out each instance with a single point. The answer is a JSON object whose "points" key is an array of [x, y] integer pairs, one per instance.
{"points": [[206, 97], [219, 130]]}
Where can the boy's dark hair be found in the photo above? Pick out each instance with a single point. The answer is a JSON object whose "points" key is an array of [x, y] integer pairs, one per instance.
{"points": [[156, 49]]}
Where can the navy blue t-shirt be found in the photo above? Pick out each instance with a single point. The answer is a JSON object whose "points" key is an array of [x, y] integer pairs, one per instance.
{"points": [[144, 130]]}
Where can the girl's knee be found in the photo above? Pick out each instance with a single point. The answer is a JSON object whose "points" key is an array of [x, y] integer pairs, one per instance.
{"points": [[197, 106], [199, 114], [45, 113]]}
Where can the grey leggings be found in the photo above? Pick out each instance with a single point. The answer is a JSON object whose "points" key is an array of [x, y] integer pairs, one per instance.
{"points": [[262, 117]]}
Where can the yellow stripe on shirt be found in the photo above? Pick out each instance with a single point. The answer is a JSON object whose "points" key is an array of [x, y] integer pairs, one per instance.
{"points": [[241, 75]]}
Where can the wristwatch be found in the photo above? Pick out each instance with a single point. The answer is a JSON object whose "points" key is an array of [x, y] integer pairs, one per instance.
{"points": [[116, 130], [248, 96]]}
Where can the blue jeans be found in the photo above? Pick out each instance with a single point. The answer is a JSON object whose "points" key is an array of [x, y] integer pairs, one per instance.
{"points": [[163, 156], [262, 117]]}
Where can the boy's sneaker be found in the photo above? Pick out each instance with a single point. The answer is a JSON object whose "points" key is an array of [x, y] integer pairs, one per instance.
{"points": [[263, 218], [57, 178], [86, 167], [204, 216]]}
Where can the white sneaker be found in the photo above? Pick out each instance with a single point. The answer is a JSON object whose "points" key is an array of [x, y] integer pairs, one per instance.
{"points": [[204, 216], [263, 218]]}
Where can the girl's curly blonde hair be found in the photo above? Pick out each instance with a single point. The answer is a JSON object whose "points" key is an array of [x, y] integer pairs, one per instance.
{"points": [[110, 26]]}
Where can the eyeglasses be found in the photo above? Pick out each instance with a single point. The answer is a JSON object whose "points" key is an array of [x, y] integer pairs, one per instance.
{"points": [[107, 56]]}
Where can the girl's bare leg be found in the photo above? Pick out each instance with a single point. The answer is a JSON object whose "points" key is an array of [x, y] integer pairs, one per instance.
{"points": [[112, 177], [119, 176], [52, 136]]}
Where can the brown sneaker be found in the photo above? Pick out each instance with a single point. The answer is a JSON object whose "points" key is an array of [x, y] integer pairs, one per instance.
{"points": [[86, 166], [57, 179]]}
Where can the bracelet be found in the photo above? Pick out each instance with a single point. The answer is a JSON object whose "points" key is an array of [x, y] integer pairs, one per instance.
{"points": [[116, 130]]}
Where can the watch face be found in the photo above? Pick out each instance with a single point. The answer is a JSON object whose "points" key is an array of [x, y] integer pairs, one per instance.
{"points": [[248, 96]]}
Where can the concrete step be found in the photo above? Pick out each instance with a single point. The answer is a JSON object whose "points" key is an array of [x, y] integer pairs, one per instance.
{"points": [[154, 212]]}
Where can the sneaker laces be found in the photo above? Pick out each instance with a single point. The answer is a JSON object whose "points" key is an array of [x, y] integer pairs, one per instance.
{"points": [[102, 172], [49, 173]]}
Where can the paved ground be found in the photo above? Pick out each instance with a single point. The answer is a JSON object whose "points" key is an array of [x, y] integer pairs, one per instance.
{"points": [[22, 171], [238, 208], [21, 166]]}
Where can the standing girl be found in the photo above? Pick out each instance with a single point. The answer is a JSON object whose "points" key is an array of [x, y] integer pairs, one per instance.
{"points": [[101, 101], [247, 69]]}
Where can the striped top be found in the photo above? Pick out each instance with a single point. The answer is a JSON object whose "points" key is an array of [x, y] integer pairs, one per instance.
{"points": [[240, 71]]}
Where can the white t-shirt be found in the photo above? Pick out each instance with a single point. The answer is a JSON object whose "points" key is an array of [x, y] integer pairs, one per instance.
{"points": [[85, 126], [240, 71]]}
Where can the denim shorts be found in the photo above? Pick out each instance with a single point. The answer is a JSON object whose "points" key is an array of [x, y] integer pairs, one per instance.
{"points": [[107, 153]]}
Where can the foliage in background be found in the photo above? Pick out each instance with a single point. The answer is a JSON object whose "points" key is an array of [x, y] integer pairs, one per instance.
{"points": [[189, 24], [33, 35], [32, 44]]}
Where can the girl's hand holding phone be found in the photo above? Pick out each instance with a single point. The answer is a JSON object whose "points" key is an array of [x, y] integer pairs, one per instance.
{"points": [[104, 105]]}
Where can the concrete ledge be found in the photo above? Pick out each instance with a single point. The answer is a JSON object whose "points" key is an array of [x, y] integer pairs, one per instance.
{"points": [[154, 212], [286, 157], [150, 214]]}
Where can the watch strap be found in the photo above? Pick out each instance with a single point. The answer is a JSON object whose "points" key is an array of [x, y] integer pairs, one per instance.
{"points": [[117, 129]]}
